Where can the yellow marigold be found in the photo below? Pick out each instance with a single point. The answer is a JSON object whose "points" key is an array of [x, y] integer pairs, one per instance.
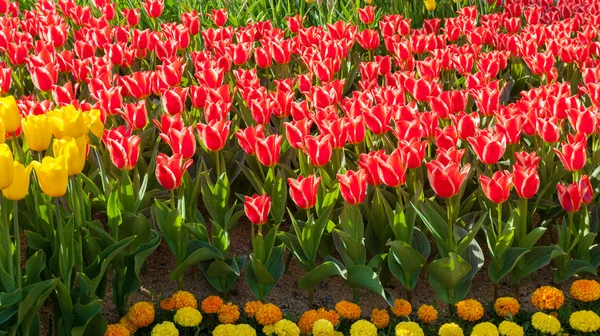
{"points": [[182, 299], [126, 322], [322, 327], [141, 314], [585, 290], [251, 307], [380, 318], [348, 310], [167, 304], [211, 304], [165, 329], [402, 308], [308, 318], [412, 327], [282, 328], [506, 306], [116, 330], [585, 321], [547, 297], [545, 323], [188, 317], [427, 313], [509, 328], [229, 313], [330, 315], [245, 330], [268, 314], [225, 330], [485, 329], [470, 310], [450, 329], [363, 328]]}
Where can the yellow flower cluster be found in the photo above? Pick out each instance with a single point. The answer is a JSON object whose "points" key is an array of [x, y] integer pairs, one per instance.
{"points": [[380, 318], [402, 308], [234, 330], [308, 318], [141, 314], [323, 327], [183, 299], [506, 306], [250, 308], [245, 330], [211, 304], [188, 317], [228, 313], [450, 329], [485, 329], [545, 323], [470, 310], [509, 328], [268, 314], [348, 310], [165, 329], [283, 328], [363, 328], [410, 328], [585, 290], [427, 313], [585, 321], [547, 297], [126, 322], [116, 330]]}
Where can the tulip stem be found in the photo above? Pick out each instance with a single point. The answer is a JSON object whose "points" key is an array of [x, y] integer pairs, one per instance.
{"points": [[173, 199], [218, 164], [569, 233], [450, 225], [6, 237], [499, 220], [17, 233]]}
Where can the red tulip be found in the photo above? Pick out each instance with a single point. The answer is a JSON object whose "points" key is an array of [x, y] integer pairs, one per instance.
{"points": [[318, 149], [569, 197], [466, 124], [496, 188], [262, 56], [586, 190], [369, 164], [446, 180], [367, 14], [124, 152], [527, 160], [526, 180], [138, 84], [268, 150], [173, 100], [219, 17], [548, 129], [132, 16], [353, 186], [413, 152], [573, 156], [489, 147], [192, 21], [378, 119], [247, 138], [171, 73], [135, 114], [583, 121], [294, 23], [5, 79], [392, 170], [43, 77], [355, 129], [214, 135], [169, 121], [296, 132], [181, 141], [170, 170], [154, 8], [304, 191], [368, 39], [257, 208]]}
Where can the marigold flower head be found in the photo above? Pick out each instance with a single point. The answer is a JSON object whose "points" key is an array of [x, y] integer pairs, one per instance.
{"points": [[509, 328], [485, 329], [348, 310], [585, 290], [412, 327], [330, 315], [545, 323], [470, 310], [380, 318], [126, 322], [225, 330], [282, 328], [363, 328], [251, 307], [268, 314], [402, 308], [188, 317], [309, 317], [141, 314], [116, 330], [547, 297], [322, 327], [506, 306], [244, 330], [450, 329], [165, 329], [228, 313], [585, 321], [427, 313], [182, 299], [167, 304], [211, 304]]}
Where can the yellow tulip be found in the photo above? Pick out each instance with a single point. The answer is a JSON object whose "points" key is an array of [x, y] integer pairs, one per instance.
{"points": [[6, 166], [2, 131], [74, 150], [20, 184], [94, 124], [9, 112], [67, 122], [53, 175], [430, 5], [37, 132]]}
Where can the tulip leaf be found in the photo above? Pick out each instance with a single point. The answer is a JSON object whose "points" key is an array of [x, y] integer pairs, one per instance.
{"points": [[364, 277], [327, 269], [435, 223], [467, 236], [126, 193], [222, 274], [352, 251], [512, 256], [538, 257], [276, 188], [532, 237], [97, 271], [406, 256], [34, 296], [573, 266], [256, 273], [448, 271], [326, 199], [195, 257]]}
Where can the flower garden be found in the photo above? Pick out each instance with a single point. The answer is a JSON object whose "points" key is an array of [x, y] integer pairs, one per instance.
{"points": [[386, 146]]}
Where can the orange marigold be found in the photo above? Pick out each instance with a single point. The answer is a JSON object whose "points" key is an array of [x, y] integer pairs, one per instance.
{"points": [[183, 299], [506, 306], [547, 297], [380, 318], [228, 313], [211, 304], [309, 317], [585, 290], [141, 314], [116, 330], [329, 315], [251, 307], [167, 304], [427, 313], [348, 310], [126, 322], [470, 310], [402, 308], [268, 314]]}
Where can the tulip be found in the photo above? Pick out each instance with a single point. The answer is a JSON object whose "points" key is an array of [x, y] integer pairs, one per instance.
{"points": [[20, 184], [52, 175], [268, 150], [526, 180], [392, 171], [304, 191], [170, 170], [38, 132], [124, 152], [549, 129], [67, 122], [367, 14], [527, 160], [43, 77], [466, 124], [353, 186], [2, 132], [6, 166], [257, 208], [573, 156], [9, 113], [173, 100], [318, 149], [586, 190], [489, 147], [294, 23], [496, 188], [154, 8], [355, 129], [446, 180], [219, 17], [182, 142], [247, 138], [368, 39], [136, 115], [215, 134], [569, 196], [132, 16], [296, 131], [169, 121], [74, 151], [93, 122], [413, 152]]}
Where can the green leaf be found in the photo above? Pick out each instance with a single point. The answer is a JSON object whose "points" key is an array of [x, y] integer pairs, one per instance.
{"points": [[406, 256], [436, 225], [113, 210], [364, 277], [97, 271], [574, 266], [327, 269], [511, 258], [538, 257], [448, 271], [352, 251], [532, 237], [174, 233], [194, 258]]}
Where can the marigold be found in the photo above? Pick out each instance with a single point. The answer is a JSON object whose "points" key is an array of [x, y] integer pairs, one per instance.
{"points": [[165, 329], [427, 313], [585, 321], [585, 290], [245, 330], [282, 328], [330, 315], [182, 299], [509, 328], [380, 318], [126, 322], [348, 310], [322, 327], [485, 329], [141, 314], [229, 313], [506, 306], [402, 308], [268, 314], [167, 304], [545, 323], [450, 329], [116, 330], [188, 317], [412, 327], [470, 310], [547, 297], [308, 318], [363, 328], [211, 304], [251, 307], [225, 330]]}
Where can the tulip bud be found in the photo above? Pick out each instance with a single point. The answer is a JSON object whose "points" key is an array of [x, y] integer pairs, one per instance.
{"points": [[214, 135], [269, 150], [257, 208], [586, 190], [569, 196], [446, 180]]}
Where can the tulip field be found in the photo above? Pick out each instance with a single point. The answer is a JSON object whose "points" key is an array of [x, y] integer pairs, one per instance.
{"points": [[388, 144]]}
